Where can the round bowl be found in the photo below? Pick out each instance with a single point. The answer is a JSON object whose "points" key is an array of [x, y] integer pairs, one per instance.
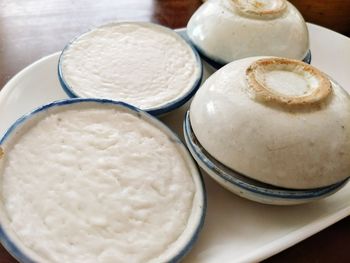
{"points": [[246, 187], [143, 64], [278, 121], [228, 30], [102, 125], [219, 64]]}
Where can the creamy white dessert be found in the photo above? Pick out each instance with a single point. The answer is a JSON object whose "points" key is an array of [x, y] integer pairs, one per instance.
{"points": [[279, 121], [95, 184], [143, 64], [227, 30]]}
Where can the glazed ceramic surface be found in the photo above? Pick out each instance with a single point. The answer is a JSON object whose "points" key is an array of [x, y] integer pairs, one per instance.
{"points": [[246, 187], [227, 30], [275, 120]]}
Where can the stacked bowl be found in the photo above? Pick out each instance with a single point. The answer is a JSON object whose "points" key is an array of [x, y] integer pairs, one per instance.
{"points": [[227, 30], [266, 126]]}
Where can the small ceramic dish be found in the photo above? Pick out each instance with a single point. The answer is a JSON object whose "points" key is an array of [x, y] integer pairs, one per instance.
{"points": [[228, 30], [216, 64], [278, 121], [143, 64], [49, 156], [247, 187]]}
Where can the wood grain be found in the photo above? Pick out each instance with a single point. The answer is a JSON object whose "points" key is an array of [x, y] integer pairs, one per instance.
{"points": [[333, 14], [31, 29]]}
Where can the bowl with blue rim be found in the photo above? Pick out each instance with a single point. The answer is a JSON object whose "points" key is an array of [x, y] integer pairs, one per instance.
{"points": [[273, 130], [143, 64], [79, 193], [227, 30], [249, 188]]}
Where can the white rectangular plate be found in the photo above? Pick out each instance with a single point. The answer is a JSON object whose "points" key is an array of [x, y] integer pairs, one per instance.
{"points": [[235, 229]]}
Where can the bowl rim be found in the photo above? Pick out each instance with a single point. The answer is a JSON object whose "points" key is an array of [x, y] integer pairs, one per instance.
{"points": [[218, 63], [244, 182], [158, 110], [199, 206]]}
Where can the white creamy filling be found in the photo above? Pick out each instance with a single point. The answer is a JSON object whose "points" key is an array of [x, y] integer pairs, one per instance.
{"points": [[141, 65], [98, 185]]}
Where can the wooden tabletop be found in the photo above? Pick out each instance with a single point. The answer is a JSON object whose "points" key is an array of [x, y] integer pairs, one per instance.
{"points": [[31, 29]]}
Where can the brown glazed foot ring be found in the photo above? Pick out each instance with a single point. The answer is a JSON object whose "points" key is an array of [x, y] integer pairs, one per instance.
{"points": [[319, 86]]}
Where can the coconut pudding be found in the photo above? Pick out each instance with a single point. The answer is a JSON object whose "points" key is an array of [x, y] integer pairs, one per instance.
{"points": [[87, 182], [143, 64], [278, 121], [228, 30]]}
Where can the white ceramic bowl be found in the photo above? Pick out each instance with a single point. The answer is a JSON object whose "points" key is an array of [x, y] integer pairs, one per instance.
{"points": [[143, 64], [24, 239], [277, 121], [246, 187], [227, 30]]}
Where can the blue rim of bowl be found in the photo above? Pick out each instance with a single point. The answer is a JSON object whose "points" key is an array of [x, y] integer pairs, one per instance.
{"points": [[156, 111], [219, 63], [195, 236], [18, 254], [251, 185]]}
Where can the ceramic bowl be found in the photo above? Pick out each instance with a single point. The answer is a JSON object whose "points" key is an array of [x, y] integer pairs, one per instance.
{"points": [[247, 187], [228, 30], [10, 235], [277, 121], [143, 64]]}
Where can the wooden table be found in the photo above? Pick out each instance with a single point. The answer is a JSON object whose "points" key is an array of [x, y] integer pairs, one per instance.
{"points": [[31, 29]]}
